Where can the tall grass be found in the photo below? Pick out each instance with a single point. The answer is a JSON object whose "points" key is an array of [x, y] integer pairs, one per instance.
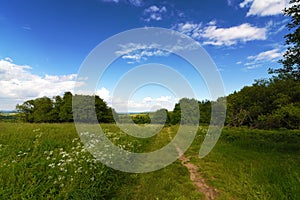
{"points": [[48, 161]]}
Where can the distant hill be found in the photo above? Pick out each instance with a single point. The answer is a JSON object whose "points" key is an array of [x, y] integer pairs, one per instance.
{"points": [[8, 115], [8, 111]]}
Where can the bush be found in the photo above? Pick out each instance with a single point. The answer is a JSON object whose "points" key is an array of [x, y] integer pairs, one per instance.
{"points": [[287, 116]]}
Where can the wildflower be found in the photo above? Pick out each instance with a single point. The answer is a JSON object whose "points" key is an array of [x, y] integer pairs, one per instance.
{"points": [[52, 165]]}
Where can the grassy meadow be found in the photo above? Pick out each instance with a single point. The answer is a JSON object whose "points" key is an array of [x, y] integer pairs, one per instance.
{"points": [[48, 161]]}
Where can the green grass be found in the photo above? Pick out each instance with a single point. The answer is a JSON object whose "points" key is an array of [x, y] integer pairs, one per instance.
{"points": [[48, 161], [171, 182], [253, 164]]}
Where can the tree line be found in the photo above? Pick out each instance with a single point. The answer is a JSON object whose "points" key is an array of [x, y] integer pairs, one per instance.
{"points": [[267, 104], [60, 109], [93, 109], [163, 116]]}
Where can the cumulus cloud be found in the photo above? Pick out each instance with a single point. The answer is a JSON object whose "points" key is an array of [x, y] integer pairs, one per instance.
{"points": [[146, 104], [18, 84], [264, 7], [213, 35], [154, 13], [104, 94], [233, 35], [266, 56], [147, 99]]}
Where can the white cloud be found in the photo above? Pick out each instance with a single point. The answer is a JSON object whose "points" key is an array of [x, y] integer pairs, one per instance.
{"points": [[230, 2], [267, 55], [190, 29], [147, 99], [233, 35], [245, 3], [146, 104], [104, 94], [212, 23], [18, 84], [252, 65], [114, 1], [213, 35], [275, 27], [263, 57], [136, 52], [154, 13], [27, 28], [265, 7], [8, 59], [163, 99], [122, 105], [132, 47], [136, 3]]}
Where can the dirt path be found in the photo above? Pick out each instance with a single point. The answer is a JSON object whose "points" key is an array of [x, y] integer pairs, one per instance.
{"points": [[209, 192]]}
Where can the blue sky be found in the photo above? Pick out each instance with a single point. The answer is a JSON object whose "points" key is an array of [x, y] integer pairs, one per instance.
{"points": [[43, 44]]}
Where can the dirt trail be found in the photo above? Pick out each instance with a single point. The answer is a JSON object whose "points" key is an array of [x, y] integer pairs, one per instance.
{"points": [[209, 192]]}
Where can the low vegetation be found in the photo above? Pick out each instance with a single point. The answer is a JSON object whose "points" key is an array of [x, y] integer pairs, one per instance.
{"points": [[49, 161]]}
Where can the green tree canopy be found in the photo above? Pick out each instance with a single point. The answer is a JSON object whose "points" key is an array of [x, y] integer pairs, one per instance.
{"points": [[66, 114], [90, 109], [160, 116], [291, 58]]}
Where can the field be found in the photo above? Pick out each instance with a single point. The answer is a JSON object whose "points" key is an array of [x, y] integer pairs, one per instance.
{"points": [[48, 161]]}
